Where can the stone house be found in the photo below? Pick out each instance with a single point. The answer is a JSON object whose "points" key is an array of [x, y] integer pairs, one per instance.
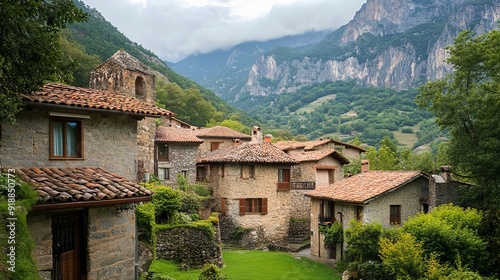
{"points": [[219, 137], [79, 150], [176, 153], [251, 187], [386, 197]]}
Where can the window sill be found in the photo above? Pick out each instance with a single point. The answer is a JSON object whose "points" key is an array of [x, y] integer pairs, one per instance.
{"points": [[66, 158]]}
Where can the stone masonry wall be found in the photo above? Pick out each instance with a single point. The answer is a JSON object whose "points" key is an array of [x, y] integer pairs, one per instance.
{"points": [[40, 228], [111, 243], [182, 156], [190, 246], [109, 142]]}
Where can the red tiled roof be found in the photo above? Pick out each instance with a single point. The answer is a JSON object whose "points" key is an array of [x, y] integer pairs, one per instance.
{"points": [[63, 185], [363, 187], [221, 132], [289, 145], [173, 134], [250, 153], [64, 95], [310, 145], [316, 155]]}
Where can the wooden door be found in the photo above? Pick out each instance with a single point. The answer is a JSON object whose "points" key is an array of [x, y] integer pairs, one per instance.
{"points": [[66, 246]]}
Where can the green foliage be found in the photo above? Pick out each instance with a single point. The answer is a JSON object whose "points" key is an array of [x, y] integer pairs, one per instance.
{"points": [[333, 233], [233, 124], [145, 215], [166, 201], [404, 258], [239, 232], [452, 234], [25, 198], [362, 242], [211, 272], [354, 167], [29, 48]]}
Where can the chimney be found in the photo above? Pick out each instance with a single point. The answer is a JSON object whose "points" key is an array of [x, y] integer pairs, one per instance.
{"points": [[268, 138], [237, 142], [365, 165], [256, 134], [446, 173]]}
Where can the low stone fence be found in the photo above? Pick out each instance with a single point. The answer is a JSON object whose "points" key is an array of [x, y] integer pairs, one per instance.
{"points": [[192, 245]]}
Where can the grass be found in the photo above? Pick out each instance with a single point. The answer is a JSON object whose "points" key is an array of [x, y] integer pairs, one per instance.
{"points": [[315, 104], [253, 264]]}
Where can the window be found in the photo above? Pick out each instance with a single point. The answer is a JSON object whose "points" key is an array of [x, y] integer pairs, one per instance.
{"points": [[253, 206], [163, 152], [395, 215], [184, 173], [164, 173], [66, 139], [201, 173], [247, 171], [283, 179], [140, 87], [214, 146], [359, 212]]}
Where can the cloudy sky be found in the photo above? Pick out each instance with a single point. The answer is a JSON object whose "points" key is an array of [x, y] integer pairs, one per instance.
{"points": [[174, 29]]}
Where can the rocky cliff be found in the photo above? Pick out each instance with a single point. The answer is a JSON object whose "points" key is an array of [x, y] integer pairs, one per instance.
{"points": [[389, 43]]}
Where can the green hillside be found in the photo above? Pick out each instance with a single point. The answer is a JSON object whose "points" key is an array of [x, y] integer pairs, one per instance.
{"points": [[97, 39]]}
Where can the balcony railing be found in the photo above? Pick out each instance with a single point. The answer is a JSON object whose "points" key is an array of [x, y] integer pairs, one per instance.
{"points": [[309, 185]]}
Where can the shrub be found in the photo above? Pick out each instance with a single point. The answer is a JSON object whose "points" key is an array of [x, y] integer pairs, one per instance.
{"points": [[190, 203], [211, 272], [333, 234], [166, 202], [404, 258], [363, 242], [146, 221]]}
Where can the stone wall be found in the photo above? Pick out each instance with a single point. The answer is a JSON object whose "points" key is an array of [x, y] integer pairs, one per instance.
{"points": [[110, 244], [190, 246], [109, 142], [182, 156], [299, 228], [225, 143], [443, 193]]}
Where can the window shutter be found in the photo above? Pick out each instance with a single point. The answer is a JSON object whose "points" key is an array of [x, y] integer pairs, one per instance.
{"points": [[264, 206], [223, 206], [242, 206]]}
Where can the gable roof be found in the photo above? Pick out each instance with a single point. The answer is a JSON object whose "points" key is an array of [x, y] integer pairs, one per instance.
{"points": [[316, 155], [311, 145], [60, 95], [127, 61], [248, 152], [68, 185], [173, 134], [364, 187], [221, 132]]}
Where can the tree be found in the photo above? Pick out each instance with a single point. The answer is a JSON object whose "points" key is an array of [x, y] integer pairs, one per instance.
{"points": [[29, 47]]}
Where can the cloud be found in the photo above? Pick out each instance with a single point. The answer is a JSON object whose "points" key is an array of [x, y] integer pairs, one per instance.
{"points": [[174, 29]]}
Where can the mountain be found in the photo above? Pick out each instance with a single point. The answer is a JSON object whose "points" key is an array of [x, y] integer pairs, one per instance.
{"points": [[226, 71], [389, 43]]}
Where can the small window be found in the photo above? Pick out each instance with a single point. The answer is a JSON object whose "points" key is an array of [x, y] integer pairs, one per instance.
{"points": [[184, 173], [247, 171], [163, 152], [140, 87], [214, 146], [283, 179], [253, 206], [164, 173], [201, 173], [395, 215], [66, 139]]}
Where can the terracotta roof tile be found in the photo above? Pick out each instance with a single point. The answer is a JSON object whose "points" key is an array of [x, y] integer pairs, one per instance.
{"points": [[221, 132], [60, 185], [249, 153], [363, 187], [311, 145], [316, 155], [289, 145], [64, 95], [173, 134]]}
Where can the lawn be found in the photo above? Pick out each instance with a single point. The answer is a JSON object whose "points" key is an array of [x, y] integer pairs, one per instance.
{"points": [[252, 264]]}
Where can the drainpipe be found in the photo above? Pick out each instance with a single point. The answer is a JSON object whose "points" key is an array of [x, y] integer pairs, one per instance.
{"points": [[341, 244]]}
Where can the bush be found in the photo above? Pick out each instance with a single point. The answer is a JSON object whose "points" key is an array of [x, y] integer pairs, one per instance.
{"points": [[333, 234], [362, 242], [211, 272], [166, 201], [403, 258], [145, 215]]}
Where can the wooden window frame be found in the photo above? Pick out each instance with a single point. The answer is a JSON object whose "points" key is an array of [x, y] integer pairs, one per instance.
{"points": [[284, 179], [79, 143], [395, 214], [166, 148], [359, 212], [252, 206], [214, 146], [166, 173]]}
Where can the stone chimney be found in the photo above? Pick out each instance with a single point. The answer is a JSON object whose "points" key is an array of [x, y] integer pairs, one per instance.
{"points": [[256, 134], [446, 173], [268, 138], [365, 165]]}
